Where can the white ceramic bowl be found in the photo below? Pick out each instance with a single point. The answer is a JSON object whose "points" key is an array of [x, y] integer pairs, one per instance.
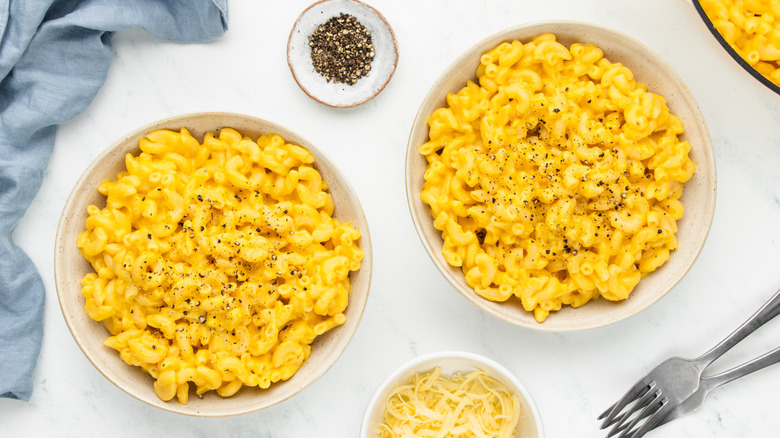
{"points": [[698, 198], [336, 94], [530, 425], [70, 267]]}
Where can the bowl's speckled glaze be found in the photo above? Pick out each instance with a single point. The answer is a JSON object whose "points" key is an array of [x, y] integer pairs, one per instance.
{"points": [[698, 197], [70, 267], [335, 94]]}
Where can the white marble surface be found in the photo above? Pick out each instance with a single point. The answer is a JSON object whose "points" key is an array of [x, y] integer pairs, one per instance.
{"points": [[411, 309]]}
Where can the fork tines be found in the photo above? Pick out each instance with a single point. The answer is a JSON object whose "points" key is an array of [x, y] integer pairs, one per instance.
{"points": [[639, 390], [647, 400]]}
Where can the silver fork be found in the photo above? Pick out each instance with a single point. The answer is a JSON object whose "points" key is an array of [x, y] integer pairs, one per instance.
{"points": [[707, 384], [663, 389]]}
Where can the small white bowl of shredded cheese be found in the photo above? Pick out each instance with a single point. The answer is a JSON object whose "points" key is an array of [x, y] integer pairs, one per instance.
{"points": [[452, 393]]}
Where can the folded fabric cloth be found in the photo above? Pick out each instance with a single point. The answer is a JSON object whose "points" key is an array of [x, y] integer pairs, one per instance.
{"points": [[54, 56]]}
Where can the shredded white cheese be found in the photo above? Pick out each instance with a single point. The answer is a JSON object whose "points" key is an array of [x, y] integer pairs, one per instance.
{"points": [[432, 405]]}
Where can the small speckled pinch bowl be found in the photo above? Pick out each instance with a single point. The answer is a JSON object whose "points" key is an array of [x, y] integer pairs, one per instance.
{"points": [[698, 197], [335, 94], [70, 267], [450, 362]]}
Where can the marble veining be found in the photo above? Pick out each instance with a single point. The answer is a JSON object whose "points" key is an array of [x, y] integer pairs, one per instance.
{"points": [[412, 310]]}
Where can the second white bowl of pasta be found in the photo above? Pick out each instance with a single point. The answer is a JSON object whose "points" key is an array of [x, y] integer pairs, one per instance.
{"points": [[560, 176], [212, 264]]}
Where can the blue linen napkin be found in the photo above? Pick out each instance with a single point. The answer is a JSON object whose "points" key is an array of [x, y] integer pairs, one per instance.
{"points": [[54, 56]]}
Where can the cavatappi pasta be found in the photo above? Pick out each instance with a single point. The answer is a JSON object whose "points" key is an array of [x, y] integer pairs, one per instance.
{"points": [[556, 177], [752, 29], [217, 263], [464, 406]]}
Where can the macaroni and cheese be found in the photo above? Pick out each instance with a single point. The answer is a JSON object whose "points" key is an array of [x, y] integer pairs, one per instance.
{"points": [[752, 29], [555, 177], [217, 263]]}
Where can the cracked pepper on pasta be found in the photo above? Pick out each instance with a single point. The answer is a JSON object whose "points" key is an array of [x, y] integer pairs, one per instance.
{"points": [[556, 177], [752, 29], [217, 263]]}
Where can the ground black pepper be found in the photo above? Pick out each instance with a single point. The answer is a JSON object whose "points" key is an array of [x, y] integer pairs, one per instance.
{"points": [[342, 49]]}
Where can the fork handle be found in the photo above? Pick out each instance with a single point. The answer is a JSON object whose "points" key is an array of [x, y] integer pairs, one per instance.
{"points": [[761, 317], [712, 382]]}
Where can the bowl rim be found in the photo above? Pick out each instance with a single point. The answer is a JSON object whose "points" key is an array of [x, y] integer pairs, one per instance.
{"points": [[359, 102], [59, 268], [411, 154], [375, 402], [722, 41]]}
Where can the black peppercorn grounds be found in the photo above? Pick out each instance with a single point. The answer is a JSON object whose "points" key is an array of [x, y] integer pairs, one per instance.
{"points": [[342, 49]]}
